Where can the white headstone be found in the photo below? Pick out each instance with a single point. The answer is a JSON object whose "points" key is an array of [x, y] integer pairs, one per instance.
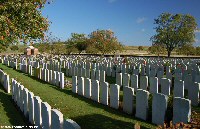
{"points": [[153, 85], [46, 115], [25, 98], [114, 96], [56, 119], [70, 124], [159, 107], [165, 86], [126, 79], [143, 82], [119, 79], [128, 99], [62, 80], [74, 84], [102, 76], [81, 86], [93, 74], [134, 81], [37, 111], [87, 88], [95, 90], [142, 97], [181, 110], [98, 72], [21, 103], [193, 93], [179, 88], [31, 107], [104, 93]]}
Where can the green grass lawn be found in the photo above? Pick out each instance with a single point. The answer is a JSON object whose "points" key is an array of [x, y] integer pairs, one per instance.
{"points": [[9, 114], [87, 113]]}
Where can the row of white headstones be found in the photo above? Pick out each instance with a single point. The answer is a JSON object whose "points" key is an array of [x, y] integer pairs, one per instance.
{"points": [[124, 79], [37, 112], [91, 89]]}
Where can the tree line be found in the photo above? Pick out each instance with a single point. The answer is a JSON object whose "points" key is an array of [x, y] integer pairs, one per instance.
{"points": [[21, 21], [99, 41]]}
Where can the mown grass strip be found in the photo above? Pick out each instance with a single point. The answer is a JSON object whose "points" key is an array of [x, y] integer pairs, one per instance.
{"points": [[87, 113], [10, 115]]}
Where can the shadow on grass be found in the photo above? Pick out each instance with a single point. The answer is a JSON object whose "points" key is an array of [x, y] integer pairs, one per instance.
{"points": [[100, 118], [15, 116], [104, 122]]}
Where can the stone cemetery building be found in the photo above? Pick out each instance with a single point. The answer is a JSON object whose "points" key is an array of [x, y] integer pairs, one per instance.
{"points": [[30, 50]]}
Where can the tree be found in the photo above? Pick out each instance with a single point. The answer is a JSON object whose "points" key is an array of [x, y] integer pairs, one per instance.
{"points": [[91, 49], [197, 50], [140, 48], [58, 48], [79, 41], [21, 20], [42, 47], [105, 41], [157, 49], [2, 48], [14, 47], [187, 49], [174, 31]]}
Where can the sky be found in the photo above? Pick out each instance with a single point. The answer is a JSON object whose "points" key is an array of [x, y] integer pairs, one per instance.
{"points": [[132, 21]]}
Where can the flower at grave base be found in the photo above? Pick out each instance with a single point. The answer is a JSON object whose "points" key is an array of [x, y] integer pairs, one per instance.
{"points": [[144, 62], [1, 38], [136, 126]]}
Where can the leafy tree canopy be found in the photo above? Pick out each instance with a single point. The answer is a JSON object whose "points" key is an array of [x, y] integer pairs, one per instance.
{"points": [[79, 41], [174, 31], [140, 48], [21, 20], [105, 41]]}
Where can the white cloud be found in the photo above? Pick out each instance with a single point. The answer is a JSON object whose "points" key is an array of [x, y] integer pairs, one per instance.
{"points": [[143, 30], [141, 20], [111, 1], [196, 40]]}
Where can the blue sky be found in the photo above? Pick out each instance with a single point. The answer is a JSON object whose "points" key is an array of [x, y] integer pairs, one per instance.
{"points": [[131, 20]]}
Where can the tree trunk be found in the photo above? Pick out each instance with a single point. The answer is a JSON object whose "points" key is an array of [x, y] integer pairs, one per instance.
{"points": [[168, 53]]}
